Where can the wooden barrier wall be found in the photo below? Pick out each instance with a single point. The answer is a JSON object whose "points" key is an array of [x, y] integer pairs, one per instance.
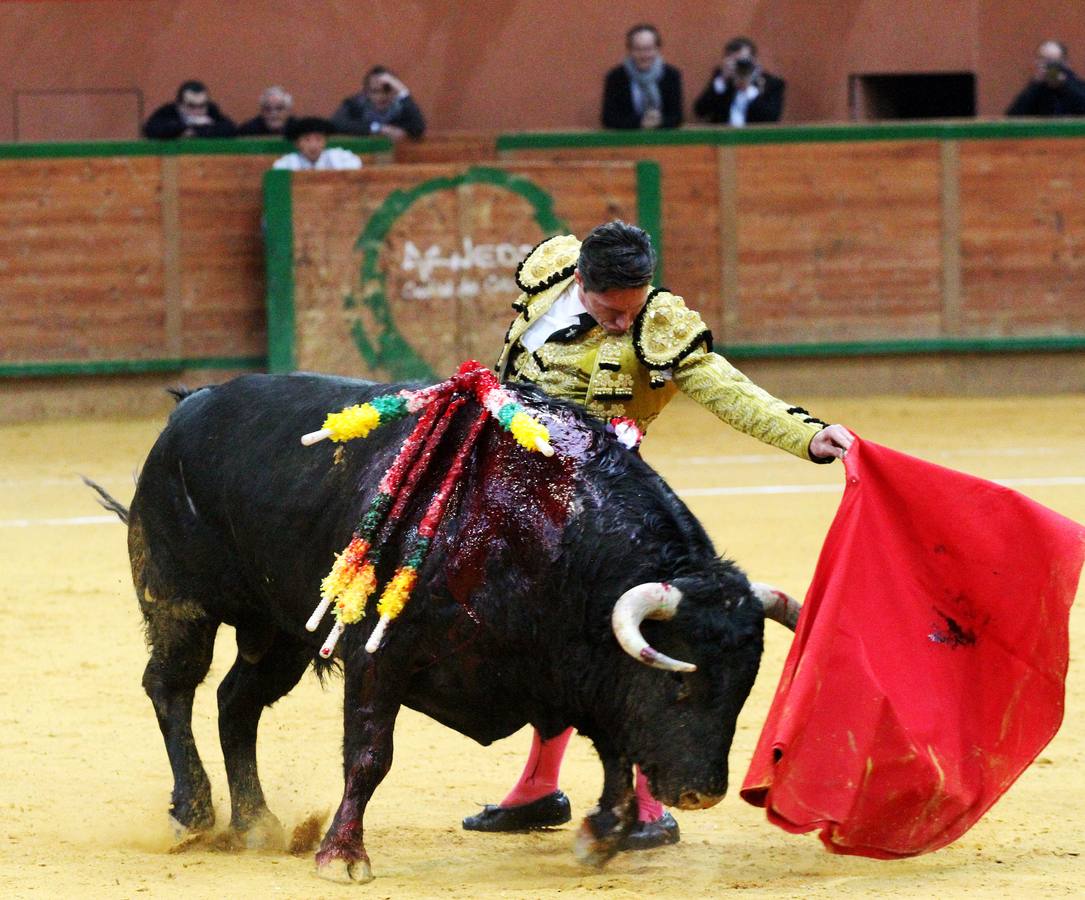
{"points": [[873, 246], [810, 241], [791, 241], [132, 259], [137, 257], [403, 272]]}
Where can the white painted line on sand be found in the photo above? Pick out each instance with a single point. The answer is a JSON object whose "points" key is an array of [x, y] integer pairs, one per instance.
{"points": [[743, 490], [723, 491], [748, 459], [746, 490], [1055, 480], [70, 481], [73, 520]]}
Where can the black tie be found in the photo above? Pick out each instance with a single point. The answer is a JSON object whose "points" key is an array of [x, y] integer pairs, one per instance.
{"points": [[584, 322]]}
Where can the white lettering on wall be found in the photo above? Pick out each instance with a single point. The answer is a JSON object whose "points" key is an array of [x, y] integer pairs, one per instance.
{"points": [[464, 272]]}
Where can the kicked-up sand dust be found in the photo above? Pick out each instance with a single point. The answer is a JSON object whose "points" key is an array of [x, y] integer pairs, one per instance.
{"points": [[84, 782]]}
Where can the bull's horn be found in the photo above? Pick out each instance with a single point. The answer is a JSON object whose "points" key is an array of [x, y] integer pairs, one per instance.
{"points": [[779, 607], [654, 600]]}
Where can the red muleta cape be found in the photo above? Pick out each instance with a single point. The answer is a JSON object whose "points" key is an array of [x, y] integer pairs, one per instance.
{"points": [[929, 663]]}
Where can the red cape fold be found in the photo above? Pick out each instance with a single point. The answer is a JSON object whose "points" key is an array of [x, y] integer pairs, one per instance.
{"points": [[929, 663]]}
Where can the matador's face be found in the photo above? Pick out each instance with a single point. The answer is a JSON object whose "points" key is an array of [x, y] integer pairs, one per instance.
{"points": [[615, 309]]}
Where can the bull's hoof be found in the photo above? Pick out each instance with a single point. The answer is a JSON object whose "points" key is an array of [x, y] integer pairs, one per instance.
{"points": [[646, 835], [593, 849], [263, 833], [185, 837], [192, 814], [344, 871]]}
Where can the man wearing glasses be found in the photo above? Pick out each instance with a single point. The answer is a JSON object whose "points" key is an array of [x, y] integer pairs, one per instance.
{"points": [[276, 106], [192, 114]]}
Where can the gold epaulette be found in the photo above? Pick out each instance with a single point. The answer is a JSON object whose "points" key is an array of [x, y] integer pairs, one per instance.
{"points": [[667, 331], [548, 263]]}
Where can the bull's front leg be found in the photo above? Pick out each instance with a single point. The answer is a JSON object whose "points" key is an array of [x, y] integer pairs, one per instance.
{"points": [[370, 706], [605, 827]]}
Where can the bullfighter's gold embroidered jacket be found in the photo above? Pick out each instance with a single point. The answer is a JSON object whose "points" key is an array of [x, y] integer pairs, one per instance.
{"points": [[636, 374]]}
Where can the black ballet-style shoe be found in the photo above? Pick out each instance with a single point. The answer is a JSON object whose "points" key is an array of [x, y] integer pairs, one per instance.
{"points": [[646, 835], [546, 812]]}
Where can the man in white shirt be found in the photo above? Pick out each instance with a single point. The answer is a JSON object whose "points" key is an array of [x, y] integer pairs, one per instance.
{"points": [[310, 137]]}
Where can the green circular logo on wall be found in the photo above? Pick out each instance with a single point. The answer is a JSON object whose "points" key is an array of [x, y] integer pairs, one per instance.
{"points": [[437, 271]]}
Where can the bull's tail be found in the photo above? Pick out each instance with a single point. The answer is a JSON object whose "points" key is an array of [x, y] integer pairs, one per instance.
{"points": [[106, 500]]}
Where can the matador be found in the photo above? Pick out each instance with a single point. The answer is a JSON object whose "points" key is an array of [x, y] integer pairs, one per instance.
{"points": [[591, 329]]}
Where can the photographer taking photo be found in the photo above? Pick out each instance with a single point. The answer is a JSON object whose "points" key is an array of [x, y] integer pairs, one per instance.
{"points": [[384, 106], [1054, 89], [740, 92]]}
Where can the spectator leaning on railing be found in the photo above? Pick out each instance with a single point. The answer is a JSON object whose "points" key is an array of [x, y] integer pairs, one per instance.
{"points": [[192, 114], [276, 105], [384, 106], [644, 91]]}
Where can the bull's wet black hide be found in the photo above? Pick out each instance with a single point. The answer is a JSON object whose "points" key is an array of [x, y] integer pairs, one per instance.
{"points": [[235, 522]]}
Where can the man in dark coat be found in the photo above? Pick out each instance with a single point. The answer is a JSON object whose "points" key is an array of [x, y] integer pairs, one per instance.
{"points": [[192, 114], [1054, 89], [385, 107], [740, 92], [276, 107], [644, 91]]}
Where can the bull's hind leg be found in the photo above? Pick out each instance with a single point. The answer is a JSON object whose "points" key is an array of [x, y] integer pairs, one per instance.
{"points": [[182, 640], [268, 665], [371, 703]]}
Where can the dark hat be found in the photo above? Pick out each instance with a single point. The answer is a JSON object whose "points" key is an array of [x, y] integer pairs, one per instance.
{"points": [[295, 128]]}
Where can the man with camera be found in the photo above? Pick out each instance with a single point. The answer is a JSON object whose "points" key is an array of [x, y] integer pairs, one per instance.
{"points": [[740, 92], [384, 106], [1054, 89]]}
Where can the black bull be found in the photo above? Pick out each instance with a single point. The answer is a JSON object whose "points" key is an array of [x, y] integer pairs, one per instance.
{"points": [[234, 522]]}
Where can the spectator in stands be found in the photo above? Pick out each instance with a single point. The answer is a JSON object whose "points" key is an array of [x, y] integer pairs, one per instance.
{"points": [[1054, 89], [740, 92], [384, 106], [644, 91], [310, 138], [276, 105], [192, 114]]}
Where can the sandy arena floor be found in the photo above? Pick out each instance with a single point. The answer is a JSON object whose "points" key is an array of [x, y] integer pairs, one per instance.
{"points": [[85, 783]]}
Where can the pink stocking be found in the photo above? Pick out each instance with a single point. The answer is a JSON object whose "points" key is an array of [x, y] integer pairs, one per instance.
{"points": [[649, 809], [540, 775]]}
